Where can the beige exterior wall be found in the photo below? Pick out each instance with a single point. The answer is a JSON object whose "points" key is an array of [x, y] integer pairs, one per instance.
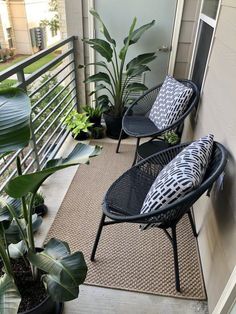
{"points": [[186, 38], [4, 23], [216, 216]]}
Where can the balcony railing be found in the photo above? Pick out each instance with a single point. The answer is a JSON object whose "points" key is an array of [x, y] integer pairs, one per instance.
{"points": [[53, 91]]}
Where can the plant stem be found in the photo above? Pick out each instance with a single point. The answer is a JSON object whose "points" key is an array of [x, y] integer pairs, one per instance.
{"points": [[23, 200], [5, 259], [30, 225], [4, 238]]}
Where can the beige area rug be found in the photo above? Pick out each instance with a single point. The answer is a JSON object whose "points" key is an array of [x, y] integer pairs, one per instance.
{"points": [[126, 258]]}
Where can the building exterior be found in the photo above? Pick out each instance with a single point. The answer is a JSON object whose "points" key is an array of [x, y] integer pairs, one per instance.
{"points": [[20, 22]]}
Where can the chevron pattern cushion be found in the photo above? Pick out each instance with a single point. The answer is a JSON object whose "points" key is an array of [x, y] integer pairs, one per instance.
{"points": [[170, 103], [183, 174]]}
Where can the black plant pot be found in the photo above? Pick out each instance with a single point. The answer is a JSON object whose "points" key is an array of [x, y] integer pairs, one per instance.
{"points": [[95, 120], [114, 125], [41, 210], [47, 306], [82, 136], [97, 132]]}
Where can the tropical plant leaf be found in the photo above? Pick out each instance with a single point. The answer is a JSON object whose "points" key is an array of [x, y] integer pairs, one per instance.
{"points": [[17, 250], [13, 234], [22, 185], [99, 63], [140, 60], [15, 113], [100, 76], [138, 71], [135, 36], [136, 87], [102, 47], [9, 296], [66, 271], [98, 88], [125, 48], [103, 28]]}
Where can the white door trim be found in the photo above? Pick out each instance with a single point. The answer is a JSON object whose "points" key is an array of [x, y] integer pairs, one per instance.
{"points": [[228, 296], [175, 36]]}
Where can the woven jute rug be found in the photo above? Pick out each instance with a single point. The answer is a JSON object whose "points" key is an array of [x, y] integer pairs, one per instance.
{"points": [[126, 258]]}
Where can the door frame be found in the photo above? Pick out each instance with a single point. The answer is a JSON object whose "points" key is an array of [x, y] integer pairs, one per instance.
{"points": [[213, 23], [174, 40], [228, 296]]}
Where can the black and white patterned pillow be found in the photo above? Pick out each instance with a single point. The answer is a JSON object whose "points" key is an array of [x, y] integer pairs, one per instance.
{"points": [[171, 102], [184, 173]]}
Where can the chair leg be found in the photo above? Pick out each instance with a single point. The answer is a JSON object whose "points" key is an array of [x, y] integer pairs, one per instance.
{"points": [[175, 250], [92, 257], [136, 151], [192, 223], [119, 141]]}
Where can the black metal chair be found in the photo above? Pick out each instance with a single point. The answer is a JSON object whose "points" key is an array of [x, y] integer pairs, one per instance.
{"points": [[136, 122], [125, 197]]}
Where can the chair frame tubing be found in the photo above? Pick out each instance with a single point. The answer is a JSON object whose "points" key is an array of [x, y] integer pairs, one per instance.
{"points": [[172, 238]]}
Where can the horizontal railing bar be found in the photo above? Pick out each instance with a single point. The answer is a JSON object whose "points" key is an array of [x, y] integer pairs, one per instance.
{"points": [[52, 112], [23, 64], [51, 78], [30, 79], [10, 161], [27, 155], [52, 101], [53, 133], [58, 146], [51, 90]]}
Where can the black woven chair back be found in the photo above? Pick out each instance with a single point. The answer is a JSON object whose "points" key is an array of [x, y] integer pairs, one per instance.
{"points": [[125, 197]]}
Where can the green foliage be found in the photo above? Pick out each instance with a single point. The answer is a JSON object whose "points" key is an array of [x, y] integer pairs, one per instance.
{"points": [[94, 112], [66, 271], [77, 122], [119, 91], [39, 199], [171, 137]]}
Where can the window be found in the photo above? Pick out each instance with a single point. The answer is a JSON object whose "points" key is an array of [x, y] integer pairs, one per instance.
{"points": [[9, 37], [205, 32]]}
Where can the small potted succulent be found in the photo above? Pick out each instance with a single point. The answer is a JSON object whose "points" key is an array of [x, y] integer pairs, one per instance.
{"points": [[32, 280], [78, 124], [39, 207], [171, 138], [95, 114]]}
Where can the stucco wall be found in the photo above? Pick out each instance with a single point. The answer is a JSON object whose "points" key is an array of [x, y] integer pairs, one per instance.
{"points": [[216, 216], [4, 24], [186, 38]]}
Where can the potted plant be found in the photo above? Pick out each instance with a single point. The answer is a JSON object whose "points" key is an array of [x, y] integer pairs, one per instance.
{"points": [[78, 124], [171, 138], [52, 274], [39, 207], [95, 114], [116, 75]]}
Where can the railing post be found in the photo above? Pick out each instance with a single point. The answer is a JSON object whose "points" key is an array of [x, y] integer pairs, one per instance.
{"points": [[76, 65]]}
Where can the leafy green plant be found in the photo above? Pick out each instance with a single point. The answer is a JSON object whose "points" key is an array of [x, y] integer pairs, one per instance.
{"points": [[171, 137], [77, 122], [63, 271], [39, 199], [111, 79]]}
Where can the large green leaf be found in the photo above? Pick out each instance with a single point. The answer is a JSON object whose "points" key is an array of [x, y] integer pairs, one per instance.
{"points": [[98, 77], [98, 88], [136, 87], [138, 70], [103, 28], [5, 204], [125, 48], [15, 113], [9, 295], [17, 250], [65, 271], [135, 36], [22, 185], [102, 47], [140, 60]]}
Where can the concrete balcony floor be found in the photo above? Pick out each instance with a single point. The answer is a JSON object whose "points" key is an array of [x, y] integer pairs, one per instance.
{"points": [[98, 300]]}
